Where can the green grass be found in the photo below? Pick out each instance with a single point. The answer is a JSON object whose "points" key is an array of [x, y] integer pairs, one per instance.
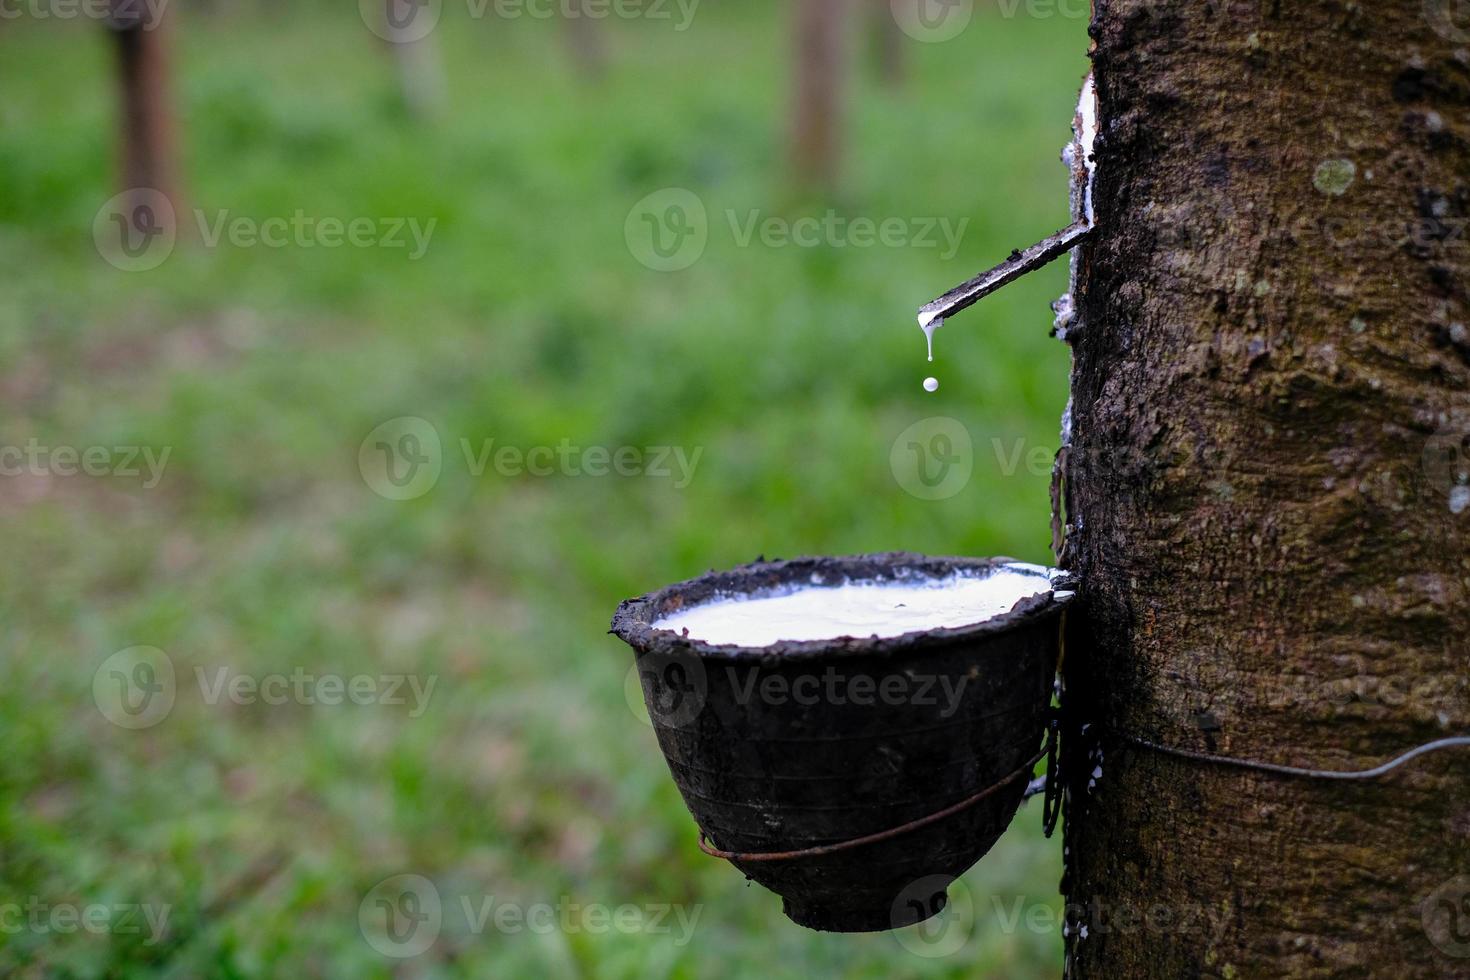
{"points": [[527, 321]]}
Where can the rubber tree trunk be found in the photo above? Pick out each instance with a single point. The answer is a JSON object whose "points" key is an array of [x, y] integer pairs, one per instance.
{"points": [[816, 123], [421, 79], [889, 43], [1266, 493], [148, 145], [586, 40]]}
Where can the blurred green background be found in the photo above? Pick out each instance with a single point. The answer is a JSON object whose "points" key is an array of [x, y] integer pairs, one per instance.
{"points": [[528, 320]]}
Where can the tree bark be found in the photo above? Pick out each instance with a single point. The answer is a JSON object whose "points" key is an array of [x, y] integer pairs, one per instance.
{"points": [[586, 42], [1266, 493], [421, 80], [148, 146], [816, 112], [888, 40]]}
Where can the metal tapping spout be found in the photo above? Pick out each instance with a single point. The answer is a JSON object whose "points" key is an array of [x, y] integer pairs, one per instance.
{"points": [[1017, 265], [1079, 159]]}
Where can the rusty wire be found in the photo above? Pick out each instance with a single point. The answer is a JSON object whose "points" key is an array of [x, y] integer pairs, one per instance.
{"points": [[823, 849]]}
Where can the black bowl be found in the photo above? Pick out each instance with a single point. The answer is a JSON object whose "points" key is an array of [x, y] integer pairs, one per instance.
{"points": [[804, 744]]}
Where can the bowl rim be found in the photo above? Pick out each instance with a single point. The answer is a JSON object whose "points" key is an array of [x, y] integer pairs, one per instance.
{"points": [[632, 621]]}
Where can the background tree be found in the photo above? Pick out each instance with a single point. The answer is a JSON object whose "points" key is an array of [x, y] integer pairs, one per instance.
{"points": [[416, 54], [816, 123], [147, 142], [586, 40], [1266, 492], [888, 43]]}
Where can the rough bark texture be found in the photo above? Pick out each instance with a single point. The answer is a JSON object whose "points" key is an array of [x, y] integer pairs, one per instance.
{"points": [[1271, 398]]}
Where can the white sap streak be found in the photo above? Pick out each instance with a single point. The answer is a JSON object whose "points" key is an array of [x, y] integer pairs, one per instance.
{"points": [[858, 609], [1087, 120], [929, 326]]}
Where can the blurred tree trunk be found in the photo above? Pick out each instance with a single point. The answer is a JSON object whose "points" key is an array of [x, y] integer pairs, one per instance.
{"points": [[888, 40], [1266, 494], [587, 42], [816, 124], [420, 67], [148, 147]]}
